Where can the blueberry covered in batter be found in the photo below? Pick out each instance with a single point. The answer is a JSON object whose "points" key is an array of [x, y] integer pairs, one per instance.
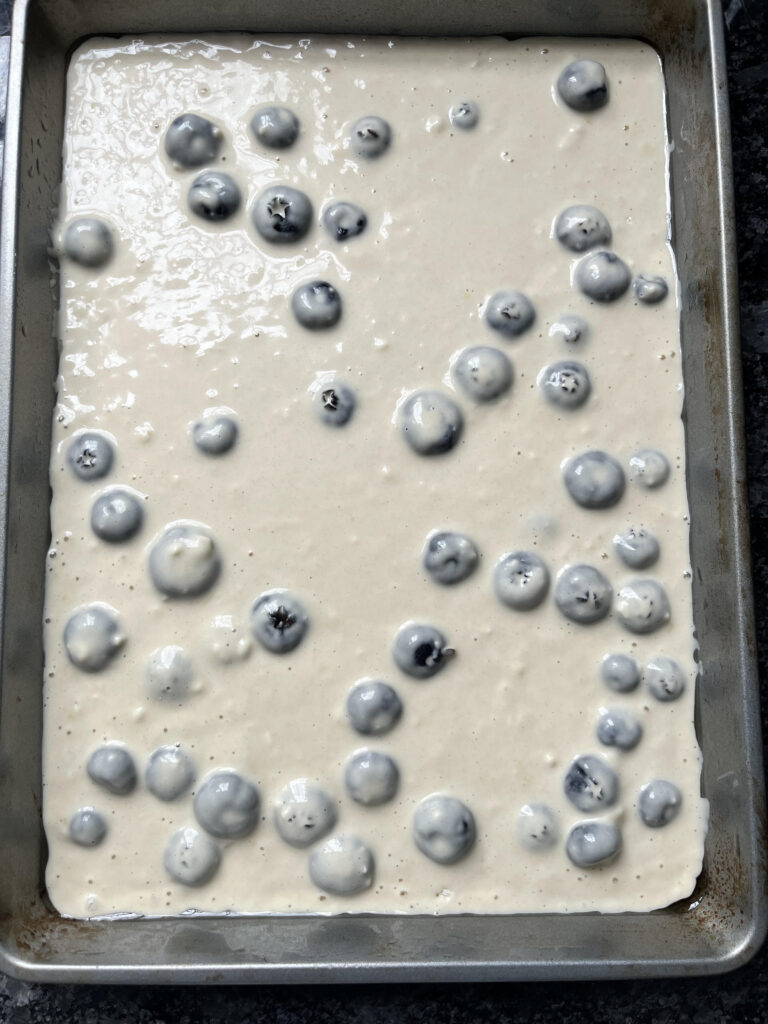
{"points": [[192, 141], [450, 557], [334, 403], [565, 384], [316, 305], [184, 561], [594, 479], [420, 650], [191, 857], [275, 126], [602, 276], [169, 772], [583, 86], [483, 373], [112, 767], [659, 803], [650, 288], [370, 137], [431, 422], [664, 678], [88, 242], [373, 707], [617, 727], [371, 777], [536, 827], [649, 468], [227, 805], [591, 844], [620, 673], [443, 828], [583, 594], [521, 580], [87, 827], [637, 547], [90, 455], [581, 227], [169, 674], [214, 196], [279, 621], [510, 313], [642, 606], [342, 866], [92, 637], [590, 783], [215, 434], [303, 813], [282, 214], [343, 220], [571, 328], [465, 114], [117, 515]]}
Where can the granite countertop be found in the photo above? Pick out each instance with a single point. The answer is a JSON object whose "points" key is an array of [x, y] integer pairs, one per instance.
{"points": [[737, 998]]}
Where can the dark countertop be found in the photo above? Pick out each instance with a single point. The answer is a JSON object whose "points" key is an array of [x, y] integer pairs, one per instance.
{"points": [[737, 998]]}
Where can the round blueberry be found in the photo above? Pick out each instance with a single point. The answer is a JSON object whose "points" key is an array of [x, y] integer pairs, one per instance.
{"points": [[169, 674], [642, 606], [316, 305], [443, 828], [521, 580], [650, 289], [590, 783], [192, 141], [169, 773], [537, 827], [370, 777], [344, 220], [483, 373], [649, 468], [565, 384], [420, 651], [342, 866], [602, 276], [92, 637], [636, 547], [215, 434], [431, 422], [370, 136], [617, 727], [581, 227], [572, 329], [112, 767], [282, 214], [583, 594], [184, 561], [582, 85], [664, 678], [620, 673], [464, 114], [334, 403], [90, 455], [276, 127], [87, 827], [373, 707], [450, 557], [227, 805], [117, 515], [592, 843], [659, 803], [303, 813], [190, 857], [214, 195], [510, 313], [594, 480], [279, 621], [88, 242]]}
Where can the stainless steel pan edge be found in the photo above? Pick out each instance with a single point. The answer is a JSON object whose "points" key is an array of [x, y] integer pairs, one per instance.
{"points": [[724, 922]]}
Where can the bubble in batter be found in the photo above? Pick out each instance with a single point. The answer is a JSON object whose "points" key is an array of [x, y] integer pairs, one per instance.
{"points": [[483, 373], [303, 813], [617, 727], [227, 805], [334, 403], [342, 866], [536, 827], [316, 305], [565, 384], [373, 707], [465, 114], [184, 560], [112, 767], [190, 857], [580, 227], [88, 242], [276, 127], [90, 455], [583, 86], [590, 783], [659, 803], [431, 422], [420, 650], [521, 580], [169, 674], [443, 828], [370, 137], [642, 606], [664, 678], [649, 468], [602, 276], [510, 313], [117, 515], [344, 220], [450, 557], [214, 196], [637, 547], [279, 621], [594, 479], [650, 289], [370, 777], [87, 827], [169, 773], [619, 672], [192, 141], [591, 844], [282, 214], [92, 637], [215, 434], [583, 594]]}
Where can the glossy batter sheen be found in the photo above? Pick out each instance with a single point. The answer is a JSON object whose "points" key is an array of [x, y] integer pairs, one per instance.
{"points": [[189, 317]]}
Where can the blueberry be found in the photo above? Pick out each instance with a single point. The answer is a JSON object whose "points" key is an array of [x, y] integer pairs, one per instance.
{"points": [[664, 678], [581, 227], [642, 606], [420, 651], [112, 767], [117, 515], [370, 136], [192, 141], [537, 827], [592, 843], [431, 422], [279, 621], [276, 127], [215, 434], [214, 195], [92, 637], [483, 373], [334, 403], [583, 594], [650, 289], [342, 866], [373, 707], [169, 773], [582, 85], [344, 220], [594, 480], [464, 114], [617, 727], [572, 329], [521, 580], [90, 455], [649, 468], [443, 828], [602, 276], [636, 547], [450, 557], [191, 857], [227, 805], [619, 672], [370, 777], [590, 783], [565, 384], [184, 561], [87, 827], [303, 813], [169, 674], [88, 242], [282, 214], [659, 803], [316, 305], [510, 313]]}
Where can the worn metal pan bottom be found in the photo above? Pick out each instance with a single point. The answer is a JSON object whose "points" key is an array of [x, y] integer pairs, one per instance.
{"points": [[723, 923]]}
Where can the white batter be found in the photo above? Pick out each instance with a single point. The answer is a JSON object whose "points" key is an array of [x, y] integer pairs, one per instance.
{"points": [[189, 317]]}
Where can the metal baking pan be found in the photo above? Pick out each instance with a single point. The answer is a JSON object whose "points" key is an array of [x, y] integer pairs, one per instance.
{"points": [[723, 923]]}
